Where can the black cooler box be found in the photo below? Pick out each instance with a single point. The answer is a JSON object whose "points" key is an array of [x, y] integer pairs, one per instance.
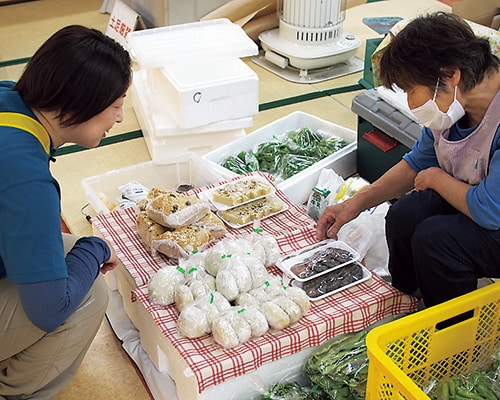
{"points": [[385, 134]]}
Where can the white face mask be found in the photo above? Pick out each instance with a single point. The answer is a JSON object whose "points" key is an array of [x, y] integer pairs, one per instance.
{"points": [[431, 116]]}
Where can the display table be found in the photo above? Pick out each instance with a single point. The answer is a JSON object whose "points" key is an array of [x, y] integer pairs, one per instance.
{"points": [[201, 367]]}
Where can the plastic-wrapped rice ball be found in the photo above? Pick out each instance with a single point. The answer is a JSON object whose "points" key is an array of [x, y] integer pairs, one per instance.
{"points": [[209, 281], [241, 273], [224, 333], [271, 248], [247, 300], [258, 271], [216, 258], [241, 328], [293, 310], [213, 304], [276, 317], [198, 288], [230, 329], [270, 289], [194, 261], [193, 322], [225, 283], [183, 296], [196, 319], [161, 287], [256, 319], [235, 246], [258, 251], [193, 287], [299, 297]]}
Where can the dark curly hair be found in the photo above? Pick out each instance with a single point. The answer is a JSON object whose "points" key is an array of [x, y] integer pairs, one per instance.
{"points": [[78, 72], [429, 47]]}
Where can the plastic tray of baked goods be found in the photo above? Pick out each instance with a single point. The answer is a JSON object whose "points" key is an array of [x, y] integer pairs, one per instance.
{"points": [[256, 210], [316, 260], [237, 192]]}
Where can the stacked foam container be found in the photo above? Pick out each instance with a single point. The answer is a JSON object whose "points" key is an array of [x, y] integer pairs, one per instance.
{"points": [[191, 90]]}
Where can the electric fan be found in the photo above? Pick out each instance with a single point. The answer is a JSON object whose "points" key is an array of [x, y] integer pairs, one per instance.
{"points": [[309, 45]]}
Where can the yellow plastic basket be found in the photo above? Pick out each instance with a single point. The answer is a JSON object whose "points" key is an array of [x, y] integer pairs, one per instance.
{"points": [[408, 354]]}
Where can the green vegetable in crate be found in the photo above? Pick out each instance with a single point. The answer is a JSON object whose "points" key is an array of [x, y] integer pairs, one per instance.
{"points": [[478, 385], [294, 163], [242, 163], [340, 367], [328, 146], [305, 145], [305, 138], [270, 155], [293, 391]]}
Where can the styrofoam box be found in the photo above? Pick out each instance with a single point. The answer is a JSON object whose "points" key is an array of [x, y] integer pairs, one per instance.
{"points": [[298, 187], [200, 93], [164, 125], [184, 170], [164, 140]]}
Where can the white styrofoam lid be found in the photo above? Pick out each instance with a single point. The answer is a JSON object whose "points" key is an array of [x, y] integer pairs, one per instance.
{"points": [[218, 38]]}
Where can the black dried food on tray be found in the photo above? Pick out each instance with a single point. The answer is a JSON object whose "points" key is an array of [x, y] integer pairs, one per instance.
{"points": [[333, 280], [321, 261]]}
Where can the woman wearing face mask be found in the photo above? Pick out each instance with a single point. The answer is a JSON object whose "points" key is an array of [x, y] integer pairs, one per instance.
{"points": [[444, 234]]}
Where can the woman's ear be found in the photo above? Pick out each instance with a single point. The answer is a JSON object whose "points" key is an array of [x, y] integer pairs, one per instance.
{"points": [[452, 75]]}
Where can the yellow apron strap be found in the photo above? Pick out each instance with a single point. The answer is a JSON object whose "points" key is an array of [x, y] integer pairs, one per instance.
{"points": [[28, 124]]}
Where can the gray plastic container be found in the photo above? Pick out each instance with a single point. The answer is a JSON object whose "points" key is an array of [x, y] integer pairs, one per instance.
{"points": [[384, 134]]}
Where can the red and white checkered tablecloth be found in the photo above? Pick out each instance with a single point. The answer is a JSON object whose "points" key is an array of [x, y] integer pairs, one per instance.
{"points": [[347, 311], [292, 229]]}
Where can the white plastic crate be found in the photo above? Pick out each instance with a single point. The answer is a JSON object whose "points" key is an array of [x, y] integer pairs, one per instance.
{"points": [[201, 93], [194, 42], [298, 187], [165, 140], [102, 194]]}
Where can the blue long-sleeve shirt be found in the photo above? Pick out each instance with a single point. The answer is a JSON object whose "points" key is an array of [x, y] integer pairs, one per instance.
{"points": [[50, 284], [483, 199]]}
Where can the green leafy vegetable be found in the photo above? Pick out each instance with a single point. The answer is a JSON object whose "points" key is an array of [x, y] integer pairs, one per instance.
{"points": [[286, 156], [340, 367]]}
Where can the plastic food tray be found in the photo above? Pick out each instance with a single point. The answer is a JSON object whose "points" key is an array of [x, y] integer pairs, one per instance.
{"points": [[207, 194], [286, 263], [236, 226], [366, 275], [408, 354]]}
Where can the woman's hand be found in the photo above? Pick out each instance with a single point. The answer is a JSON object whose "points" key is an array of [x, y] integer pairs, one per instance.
{"points": [[113, 261], [333, 218], [429, 179]]}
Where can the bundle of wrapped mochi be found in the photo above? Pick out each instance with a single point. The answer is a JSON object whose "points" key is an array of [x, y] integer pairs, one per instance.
{"points": [[264, 247], [238, 325], [176, 224], [195, 320], [196, 283], [227, 290]]}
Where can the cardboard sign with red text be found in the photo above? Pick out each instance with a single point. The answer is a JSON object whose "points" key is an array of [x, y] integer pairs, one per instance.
{"points": [[122, 21]]}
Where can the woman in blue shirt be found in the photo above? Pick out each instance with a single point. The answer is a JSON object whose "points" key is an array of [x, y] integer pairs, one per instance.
{"points": [[443, 232], [52, 295]]}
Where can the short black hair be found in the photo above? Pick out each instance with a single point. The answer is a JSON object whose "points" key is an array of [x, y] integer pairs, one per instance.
{"points": [[78, 72], [429, 47]]}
